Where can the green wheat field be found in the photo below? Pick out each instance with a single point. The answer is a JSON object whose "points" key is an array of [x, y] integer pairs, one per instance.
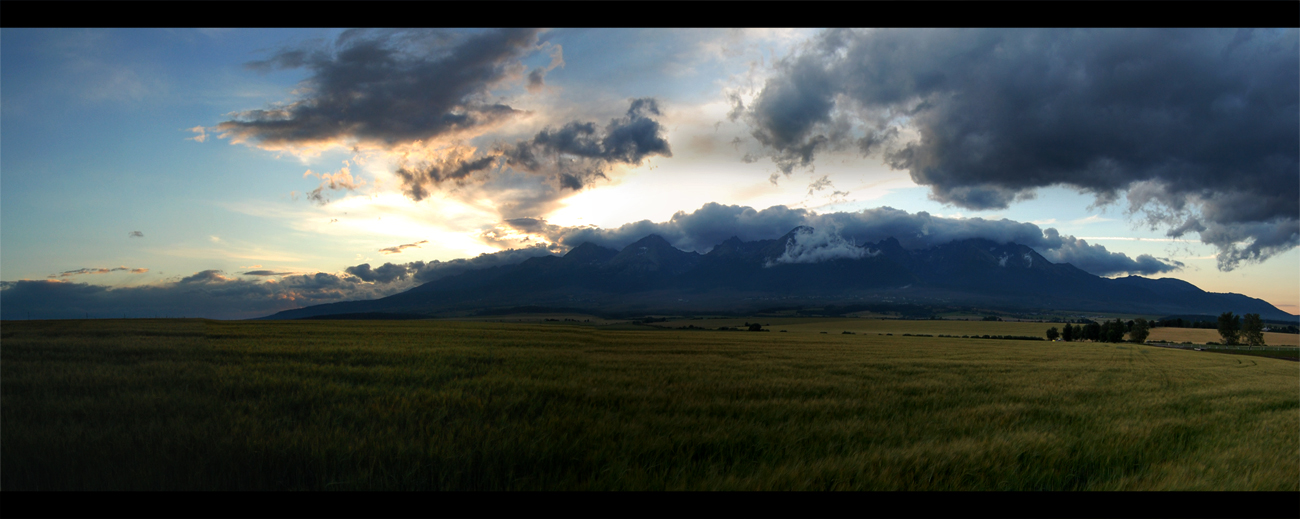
{"points": [[425, 405]]}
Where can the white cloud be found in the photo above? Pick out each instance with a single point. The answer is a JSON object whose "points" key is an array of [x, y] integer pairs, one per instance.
{"points": [[818, 245]]}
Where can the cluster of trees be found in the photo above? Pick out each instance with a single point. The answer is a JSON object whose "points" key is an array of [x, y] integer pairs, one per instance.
{"points": [[1234, 329], [1110, 331]]}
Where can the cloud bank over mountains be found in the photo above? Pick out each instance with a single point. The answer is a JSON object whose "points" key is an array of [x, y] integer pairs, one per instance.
{"points": [[709, 225], [1198, 129], [819, 237]]}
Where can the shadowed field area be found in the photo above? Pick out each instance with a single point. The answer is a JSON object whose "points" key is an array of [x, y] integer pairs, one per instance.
{"points": [[407, 405]]}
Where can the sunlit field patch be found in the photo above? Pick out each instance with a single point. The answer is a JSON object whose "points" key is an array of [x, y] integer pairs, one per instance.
{"points": [[412, 405]]}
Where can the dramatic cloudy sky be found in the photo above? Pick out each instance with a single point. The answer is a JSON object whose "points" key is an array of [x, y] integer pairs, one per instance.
{"points": [[235, 173]]}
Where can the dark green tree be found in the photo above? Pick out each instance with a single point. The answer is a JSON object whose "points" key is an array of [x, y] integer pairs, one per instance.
{"points": [[1229, 327], [1141, 329], [1067, 333], [1115, 333], [1052, 334], [1252, 330], [1092, 331]]}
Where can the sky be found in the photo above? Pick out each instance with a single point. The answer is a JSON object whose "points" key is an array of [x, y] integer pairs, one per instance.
{"points": [[234, 173]]}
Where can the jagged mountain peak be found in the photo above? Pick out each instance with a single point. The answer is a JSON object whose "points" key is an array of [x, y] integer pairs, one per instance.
{"points": [[653, 254], [589, 253], [654, 241]]}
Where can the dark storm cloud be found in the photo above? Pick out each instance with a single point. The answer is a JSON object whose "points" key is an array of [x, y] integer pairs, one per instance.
{"points": [[579, 152], [386, 273], [1097, 260], [434, 270], [1200, 128], [418, 181], [713, 223], [390, 87], [570, 157]]}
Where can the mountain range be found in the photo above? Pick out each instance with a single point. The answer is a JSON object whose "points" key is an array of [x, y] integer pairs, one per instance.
{"points": [[800, 269]]}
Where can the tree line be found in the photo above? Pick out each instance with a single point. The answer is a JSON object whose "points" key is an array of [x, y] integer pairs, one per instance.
{"points": [[1232, 328], [1109, 331]]}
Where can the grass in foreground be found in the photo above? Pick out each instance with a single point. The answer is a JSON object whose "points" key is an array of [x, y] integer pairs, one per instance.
{"points": [[115, 405]]}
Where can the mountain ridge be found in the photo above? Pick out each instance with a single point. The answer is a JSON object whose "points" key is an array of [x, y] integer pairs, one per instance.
{"points": [[799, 268]]}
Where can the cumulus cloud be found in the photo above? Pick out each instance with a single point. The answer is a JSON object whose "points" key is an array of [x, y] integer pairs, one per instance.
{"points": [[399, 248], [135, 234], [100, 270], [713, 223], [553, 161], [389, 87], [339, 180], [1198, 128]]}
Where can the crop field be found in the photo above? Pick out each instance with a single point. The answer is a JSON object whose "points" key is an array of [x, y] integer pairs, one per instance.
{"points": [[834, 325], [1202, 336], [420, 405]]}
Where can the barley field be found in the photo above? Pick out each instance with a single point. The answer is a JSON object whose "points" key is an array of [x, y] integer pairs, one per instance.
{"points": [[428, 405]]}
